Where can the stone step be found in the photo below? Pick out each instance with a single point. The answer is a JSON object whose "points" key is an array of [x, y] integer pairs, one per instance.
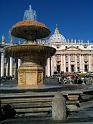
{"points": [[26, 95], [33, 110], [31, 105], [26, 100]]}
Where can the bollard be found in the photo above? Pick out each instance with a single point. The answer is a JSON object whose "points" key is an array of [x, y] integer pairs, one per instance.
{"points": [[59, 107]]}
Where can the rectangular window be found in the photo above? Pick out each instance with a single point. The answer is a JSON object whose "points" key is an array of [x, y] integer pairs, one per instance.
{"points": [[86, 68], [66, 58], [72, 68], [78, 69], [78, 58], [66, 69], [58, 57], [72, 58], [58, 68]]}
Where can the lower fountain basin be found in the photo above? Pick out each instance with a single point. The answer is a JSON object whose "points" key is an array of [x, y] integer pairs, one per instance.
{"points": [[33, 57]]}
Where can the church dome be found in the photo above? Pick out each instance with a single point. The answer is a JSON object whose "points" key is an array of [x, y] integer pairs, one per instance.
{"points": [[57, 37]]}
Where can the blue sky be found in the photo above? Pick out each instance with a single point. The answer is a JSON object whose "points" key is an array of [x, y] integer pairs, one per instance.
{"points": [[73, 17]]}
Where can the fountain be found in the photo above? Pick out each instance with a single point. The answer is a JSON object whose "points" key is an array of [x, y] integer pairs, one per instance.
{"points": [[39, 101], [32, 54]]}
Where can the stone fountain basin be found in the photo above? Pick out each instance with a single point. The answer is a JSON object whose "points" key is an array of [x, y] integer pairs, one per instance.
{"points": [[30, 30], [24, 50]]}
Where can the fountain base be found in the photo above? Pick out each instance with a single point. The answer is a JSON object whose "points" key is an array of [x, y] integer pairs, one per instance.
{"points": [[30, 76]]}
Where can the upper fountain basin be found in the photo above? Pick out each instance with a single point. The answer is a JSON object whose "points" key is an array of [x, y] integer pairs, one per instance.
{"points": [[30, 30]]}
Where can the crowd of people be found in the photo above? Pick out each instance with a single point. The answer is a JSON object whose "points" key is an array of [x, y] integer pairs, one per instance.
{"points": [[73, 78], [5, 78]]}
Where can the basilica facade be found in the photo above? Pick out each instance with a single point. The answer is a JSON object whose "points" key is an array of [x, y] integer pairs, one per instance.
{"points": [[71, 56]]}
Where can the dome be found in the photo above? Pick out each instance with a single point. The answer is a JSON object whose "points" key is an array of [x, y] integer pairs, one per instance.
{"points": [[57, 37]]}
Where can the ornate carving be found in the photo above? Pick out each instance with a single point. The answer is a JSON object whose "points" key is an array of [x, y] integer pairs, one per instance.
{"points": [[21, 78], [39, 77]]}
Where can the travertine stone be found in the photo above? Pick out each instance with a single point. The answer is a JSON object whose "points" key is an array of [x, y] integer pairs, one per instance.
{"points": [[59, 107], [73, 97], [29, 76]]}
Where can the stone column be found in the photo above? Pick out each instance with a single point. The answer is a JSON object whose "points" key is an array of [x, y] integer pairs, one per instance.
{"points": [[19, 63], [15, 70], [46, 70], [62, 69], [11, 66], [48, 67], [69, 66], [2, 64], [89, 63], [53, 65], [81, 63], [7, 69], [64, 63], [75, 63]]}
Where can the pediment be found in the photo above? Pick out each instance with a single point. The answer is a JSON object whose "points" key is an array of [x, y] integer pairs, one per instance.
{"points": [[72, 48]]}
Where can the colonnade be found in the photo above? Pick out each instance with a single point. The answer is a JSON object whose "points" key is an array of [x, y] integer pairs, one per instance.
{"points": [[66, 66], [9, 65]]}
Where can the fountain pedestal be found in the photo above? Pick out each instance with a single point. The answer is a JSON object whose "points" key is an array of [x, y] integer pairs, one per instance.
{"points": [[30, 75]]}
